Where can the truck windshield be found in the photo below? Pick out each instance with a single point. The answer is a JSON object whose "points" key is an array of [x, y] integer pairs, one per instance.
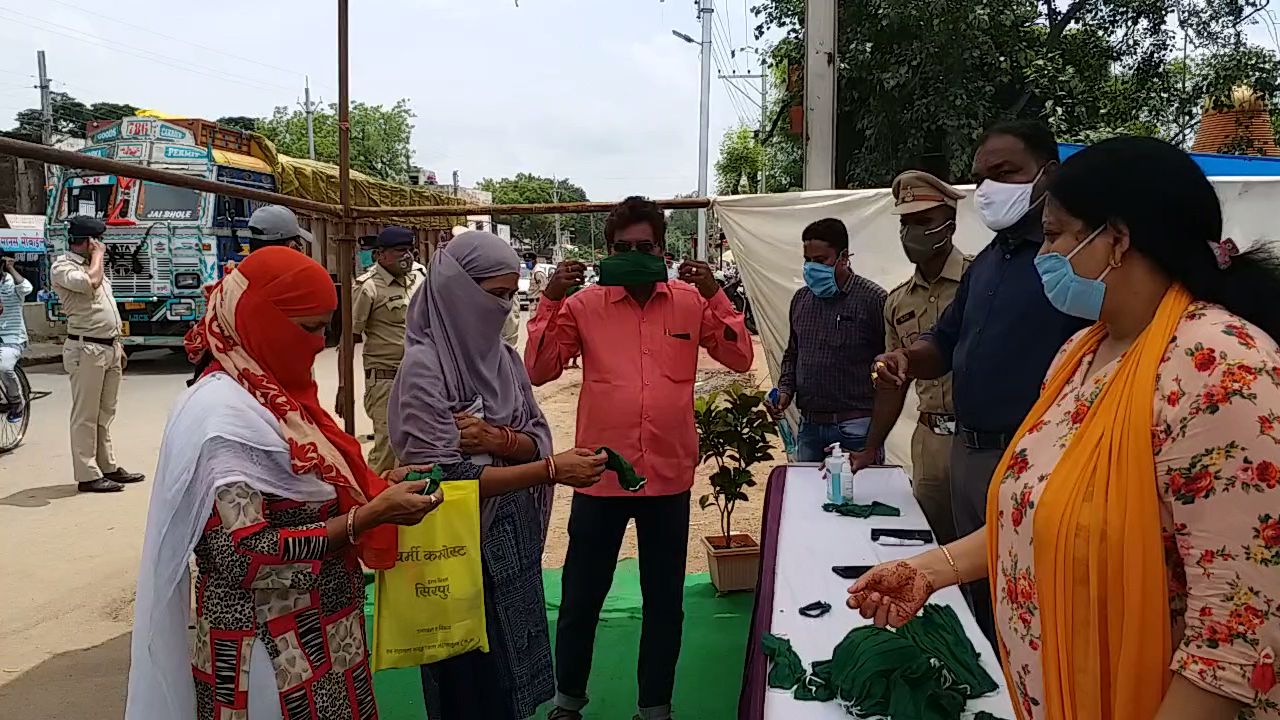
{"points": [[165, 202], [89, 195]]}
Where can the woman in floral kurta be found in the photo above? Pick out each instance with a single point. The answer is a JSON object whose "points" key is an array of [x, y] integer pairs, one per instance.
{"points": [[1216, 439], [1133, 526]]}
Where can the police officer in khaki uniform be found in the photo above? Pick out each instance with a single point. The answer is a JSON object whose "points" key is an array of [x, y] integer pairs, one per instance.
{"points": [[92, 356], [378, 316], [926, 207]]}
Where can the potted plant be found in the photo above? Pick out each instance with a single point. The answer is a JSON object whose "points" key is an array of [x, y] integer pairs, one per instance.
{"points": [[733, 430]]}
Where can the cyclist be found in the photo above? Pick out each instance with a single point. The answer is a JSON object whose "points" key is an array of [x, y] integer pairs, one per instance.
{"points": [[13, 336]]}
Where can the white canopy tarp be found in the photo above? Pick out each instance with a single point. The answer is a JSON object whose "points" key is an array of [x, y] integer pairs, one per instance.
{"points": [[764, 233]]}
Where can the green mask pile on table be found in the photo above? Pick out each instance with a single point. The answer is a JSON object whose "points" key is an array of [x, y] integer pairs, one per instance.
{"points": [[627, 476], [926, 670], [855, 510]]}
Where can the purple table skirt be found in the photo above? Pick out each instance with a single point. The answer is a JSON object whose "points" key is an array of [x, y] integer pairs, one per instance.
{"points": [[754, 675]]}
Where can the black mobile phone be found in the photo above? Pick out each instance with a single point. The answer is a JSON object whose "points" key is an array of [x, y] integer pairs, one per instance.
{"points": [[851, 572], [921, 535]]}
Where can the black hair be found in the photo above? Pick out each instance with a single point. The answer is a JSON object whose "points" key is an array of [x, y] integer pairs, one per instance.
{"points": [[828, 230], [636, 210], [1173, 216], [1035, 135]]}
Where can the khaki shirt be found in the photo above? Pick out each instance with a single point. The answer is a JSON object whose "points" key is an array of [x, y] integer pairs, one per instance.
{"points": [[911, 309], [378, 313], [90, 311]]}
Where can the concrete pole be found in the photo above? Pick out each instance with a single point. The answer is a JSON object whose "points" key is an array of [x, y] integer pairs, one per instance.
{"points": [[764, 117], [819, 94], [46, 102], [705, 14], [311, 133]]}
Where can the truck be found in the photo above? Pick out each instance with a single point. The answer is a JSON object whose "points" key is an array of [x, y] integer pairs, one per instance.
{"points": [[165, 243]]}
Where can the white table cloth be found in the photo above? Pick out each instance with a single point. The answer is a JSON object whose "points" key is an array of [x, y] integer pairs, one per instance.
{"points": [[811, 541]]}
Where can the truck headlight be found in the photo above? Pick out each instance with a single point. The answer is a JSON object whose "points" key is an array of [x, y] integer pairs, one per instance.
{"points": [[187, 280]]}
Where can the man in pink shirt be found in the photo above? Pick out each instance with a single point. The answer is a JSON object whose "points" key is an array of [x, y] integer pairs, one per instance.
{"points": [[638, 336]]}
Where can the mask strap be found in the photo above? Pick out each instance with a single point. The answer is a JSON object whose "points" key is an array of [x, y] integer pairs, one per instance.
{"points": [[1086, 241]]}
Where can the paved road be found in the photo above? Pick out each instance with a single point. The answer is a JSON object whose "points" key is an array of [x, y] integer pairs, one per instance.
{"points": [[69, 560]]}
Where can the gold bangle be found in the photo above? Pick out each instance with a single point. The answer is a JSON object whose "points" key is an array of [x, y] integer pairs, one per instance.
{"points": [[950, 560], [351, 525]]}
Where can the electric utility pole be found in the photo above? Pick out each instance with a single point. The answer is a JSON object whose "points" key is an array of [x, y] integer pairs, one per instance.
{"points": [[705, 15], [763, 77], [46, 102], [555, 198], [310, 109]]}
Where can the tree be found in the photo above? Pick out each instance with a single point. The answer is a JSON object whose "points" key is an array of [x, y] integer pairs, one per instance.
{"points": [[240, 122], [738, 167], [380, 136], [919, 83], [69, 118], [682, 230], [539, 230]]}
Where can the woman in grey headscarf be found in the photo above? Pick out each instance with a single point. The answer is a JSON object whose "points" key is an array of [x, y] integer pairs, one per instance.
{"points": [[462, 401]]}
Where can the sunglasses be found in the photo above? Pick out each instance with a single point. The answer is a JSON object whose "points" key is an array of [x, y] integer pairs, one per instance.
{"points": [[644, 247]]}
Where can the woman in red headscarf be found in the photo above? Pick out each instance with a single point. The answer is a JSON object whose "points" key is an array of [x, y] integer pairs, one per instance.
{"points": [[278, 506]]}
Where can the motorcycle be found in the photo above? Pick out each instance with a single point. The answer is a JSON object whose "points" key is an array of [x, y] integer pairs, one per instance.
{"points": [[737, 294]]}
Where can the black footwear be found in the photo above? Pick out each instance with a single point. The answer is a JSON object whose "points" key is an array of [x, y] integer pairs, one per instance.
{"points": [[124, 477], [559, 713], [101, 485]]}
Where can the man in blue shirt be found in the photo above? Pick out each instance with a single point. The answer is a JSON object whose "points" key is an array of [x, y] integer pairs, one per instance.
{"points": [[1000, 334]]}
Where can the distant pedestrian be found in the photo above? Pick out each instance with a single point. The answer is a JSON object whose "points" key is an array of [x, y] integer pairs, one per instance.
{"points": [[639, 336], [837, 329], [377, 319], [92, 356], [13, 338]]}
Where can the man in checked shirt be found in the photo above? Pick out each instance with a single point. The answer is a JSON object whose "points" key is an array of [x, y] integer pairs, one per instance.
{"points": [[837, 330]]}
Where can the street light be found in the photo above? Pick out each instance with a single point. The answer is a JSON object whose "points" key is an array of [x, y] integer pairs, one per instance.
{"points": [[684, 37]]}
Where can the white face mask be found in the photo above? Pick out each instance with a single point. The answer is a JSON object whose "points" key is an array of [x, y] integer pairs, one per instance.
{"points": [[1001, 205]]}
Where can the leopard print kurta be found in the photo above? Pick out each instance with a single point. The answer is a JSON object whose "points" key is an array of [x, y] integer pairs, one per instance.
{"points": [[264, 572]]}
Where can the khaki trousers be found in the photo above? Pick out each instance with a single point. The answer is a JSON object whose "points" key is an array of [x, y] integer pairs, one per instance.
{"points": [[95, 372], [376, 395], [931, 480]]}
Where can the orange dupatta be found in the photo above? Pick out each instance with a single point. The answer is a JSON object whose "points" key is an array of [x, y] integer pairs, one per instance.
{"points": [[1096, 537]]}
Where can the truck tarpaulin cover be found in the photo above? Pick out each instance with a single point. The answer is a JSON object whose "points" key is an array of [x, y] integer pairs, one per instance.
{"points": [[764, 233], [319, 181]]}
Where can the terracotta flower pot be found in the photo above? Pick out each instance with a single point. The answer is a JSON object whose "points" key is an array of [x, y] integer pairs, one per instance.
{"points": [[735, 567]]}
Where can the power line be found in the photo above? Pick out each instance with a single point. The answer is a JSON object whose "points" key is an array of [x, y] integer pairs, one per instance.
{"points": [[148, 55], [87, 12]]}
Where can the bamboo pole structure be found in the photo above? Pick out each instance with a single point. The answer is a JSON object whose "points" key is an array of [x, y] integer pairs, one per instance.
{"points": [[346, 238], [80, 161], [530, 209]]}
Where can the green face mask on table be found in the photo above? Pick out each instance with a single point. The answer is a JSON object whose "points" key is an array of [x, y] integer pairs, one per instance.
{"points": [[632, 268]]}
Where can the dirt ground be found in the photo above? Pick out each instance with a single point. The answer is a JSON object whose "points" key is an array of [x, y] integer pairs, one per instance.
{"points": [[559, 400]]}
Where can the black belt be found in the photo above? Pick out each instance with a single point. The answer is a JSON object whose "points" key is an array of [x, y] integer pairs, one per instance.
{"points": [[829, 418], [939, 423], [379, 374], [979, 440], [94, 340]]}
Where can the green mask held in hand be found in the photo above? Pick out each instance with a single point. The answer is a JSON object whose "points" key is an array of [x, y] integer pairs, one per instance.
{"points": [[627, 476], [630, 269], [433, 479]]}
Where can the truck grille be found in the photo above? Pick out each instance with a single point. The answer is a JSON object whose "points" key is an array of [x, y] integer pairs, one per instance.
{"points": [[134, 272]]}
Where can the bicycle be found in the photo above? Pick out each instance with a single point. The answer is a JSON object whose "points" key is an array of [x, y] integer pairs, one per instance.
{"points": [[11, 433]]}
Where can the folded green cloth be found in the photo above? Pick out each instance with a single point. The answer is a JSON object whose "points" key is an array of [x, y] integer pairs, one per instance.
{"points": [[940, 635], [627, 476], [855, 510], [433, 479], [786, 670]]}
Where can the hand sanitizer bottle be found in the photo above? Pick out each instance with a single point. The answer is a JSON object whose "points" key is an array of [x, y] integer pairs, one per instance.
{"points": [[832, 469], [846, 479]]}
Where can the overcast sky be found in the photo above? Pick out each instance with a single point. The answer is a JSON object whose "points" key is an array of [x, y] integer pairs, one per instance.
{"points": [[595, 90]]}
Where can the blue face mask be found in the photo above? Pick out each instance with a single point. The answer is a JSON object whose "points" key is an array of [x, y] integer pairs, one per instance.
{"points": [[1068, 292], [821, 279]]}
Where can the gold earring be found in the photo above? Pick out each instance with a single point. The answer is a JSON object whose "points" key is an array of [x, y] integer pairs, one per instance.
{"points": [[1114, 263]]}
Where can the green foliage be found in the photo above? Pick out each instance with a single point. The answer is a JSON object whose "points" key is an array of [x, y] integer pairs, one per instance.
{"points": [[380, 136], [69, 117], [539, 230], [682, 231], [919, 82], [240, 122], [733, 430], [738, 167]]}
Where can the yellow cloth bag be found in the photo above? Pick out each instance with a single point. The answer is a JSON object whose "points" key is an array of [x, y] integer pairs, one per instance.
{"points": [[430, 606]]}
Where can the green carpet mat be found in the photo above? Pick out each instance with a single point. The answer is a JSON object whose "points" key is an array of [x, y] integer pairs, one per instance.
{"points": [[711, 659]]}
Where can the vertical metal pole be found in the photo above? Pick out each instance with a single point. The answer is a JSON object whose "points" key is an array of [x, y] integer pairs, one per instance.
{"points": [[346, 243], [311, 134], [46, 102], [555, 198], [705, 11], [764, 118], [819, 94]]}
